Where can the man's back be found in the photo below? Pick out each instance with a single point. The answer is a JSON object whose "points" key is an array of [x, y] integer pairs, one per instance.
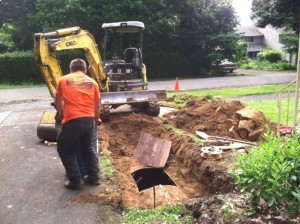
{"points": [[79, 93]]}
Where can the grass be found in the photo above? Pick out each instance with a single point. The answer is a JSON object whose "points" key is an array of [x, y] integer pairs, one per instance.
{"points": [[167, 214], [21, 85], [182, 132], [270, 110], [106, 164], [268, 107], [233, 92]]}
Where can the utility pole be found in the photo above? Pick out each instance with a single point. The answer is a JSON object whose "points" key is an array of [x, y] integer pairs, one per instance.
{"points": [[296, 110]]}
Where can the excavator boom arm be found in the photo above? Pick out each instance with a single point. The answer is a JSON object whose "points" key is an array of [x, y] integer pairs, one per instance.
{"points": [[45, 46]]}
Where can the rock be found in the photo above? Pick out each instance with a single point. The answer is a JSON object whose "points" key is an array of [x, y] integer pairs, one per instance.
{"points": [[250, 113]]}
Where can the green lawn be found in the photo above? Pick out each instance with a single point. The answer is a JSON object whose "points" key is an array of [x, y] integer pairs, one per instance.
{"points": [[268, 107], [17, 86], [234, 92], [270, 110]]}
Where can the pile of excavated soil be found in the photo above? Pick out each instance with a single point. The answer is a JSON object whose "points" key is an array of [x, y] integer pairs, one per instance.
{"points": [[220, 118], [195, 177]]}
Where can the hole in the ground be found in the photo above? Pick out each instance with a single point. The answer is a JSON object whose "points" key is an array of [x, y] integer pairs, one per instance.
{"points": [[194, 176]]}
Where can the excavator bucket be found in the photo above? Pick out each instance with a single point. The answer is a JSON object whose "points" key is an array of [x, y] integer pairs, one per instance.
{"points": [[46, 129], [132, 97]]}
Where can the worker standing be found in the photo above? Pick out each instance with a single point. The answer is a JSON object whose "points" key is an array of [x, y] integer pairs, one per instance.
{"points": [[77, 100]]}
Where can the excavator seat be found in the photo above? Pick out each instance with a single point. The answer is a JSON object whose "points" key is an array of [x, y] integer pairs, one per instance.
{"points": [[133, 61], [132, 55]]}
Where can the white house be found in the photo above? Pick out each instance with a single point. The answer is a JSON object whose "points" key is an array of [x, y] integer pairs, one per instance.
{"points": [[254, 38], [260, 38]]}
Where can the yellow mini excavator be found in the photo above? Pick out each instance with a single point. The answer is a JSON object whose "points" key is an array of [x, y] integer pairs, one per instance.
{"points": [[121, 79]]}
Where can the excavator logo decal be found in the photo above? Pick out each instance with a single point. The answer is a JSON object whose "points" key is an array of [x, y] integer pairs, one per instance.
{"points": [[71, 43]]}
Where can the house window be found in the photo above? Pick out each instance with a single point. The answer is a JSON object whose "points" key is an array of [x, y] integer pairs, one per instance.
{"points": [[249, 39], [253, 54]]}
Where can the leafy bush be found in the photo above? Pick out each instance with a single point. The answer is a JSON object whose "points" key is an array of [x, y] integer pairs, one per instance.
{"points": [[6, 35], [20, 67], [269, 54], [241, 52], [270, 176], [267, 66], [284, 66]]}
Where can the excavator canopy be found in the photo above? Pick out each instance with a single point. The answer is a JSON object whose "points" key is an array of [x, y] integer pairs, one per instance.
{"points": [[127, 27]]}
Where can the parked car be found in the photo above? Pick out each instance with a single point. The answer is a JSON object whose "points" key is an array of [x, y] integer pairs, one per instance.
{"points": [[224, 65]]}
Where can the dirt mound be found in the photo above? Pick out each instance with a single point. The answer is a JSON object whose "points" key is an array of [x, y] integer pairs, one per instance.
{"points": [[220, 118], [195, 177]]}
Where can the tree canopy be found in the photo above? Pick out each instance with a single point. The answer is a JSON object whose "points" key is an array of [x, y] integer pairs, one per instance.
{"points": [[198, 30], [279, 13]]}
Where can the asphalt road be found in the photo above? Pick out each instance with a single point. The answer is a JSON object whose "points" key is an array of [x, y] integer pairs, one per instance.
{"points": [[247, 79], [31, 174]]}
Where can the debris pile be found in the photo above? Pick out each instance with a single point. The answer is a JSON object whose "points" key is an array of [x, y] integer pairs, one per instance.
{"points": [[220, 118]]}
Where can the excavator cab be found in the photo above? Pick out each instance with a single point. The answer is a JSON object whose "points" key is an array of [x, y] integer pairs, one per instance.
{"points": [[124, 64]]}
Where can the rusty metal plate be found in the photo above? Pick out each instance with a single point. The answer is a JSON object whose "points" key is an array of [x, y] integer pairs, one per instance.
{"points": [[152, 151]]}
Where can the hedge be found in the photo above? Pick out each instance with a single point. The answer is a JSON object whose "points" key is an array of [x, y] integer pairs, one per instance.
{"points": [[20, 67]]}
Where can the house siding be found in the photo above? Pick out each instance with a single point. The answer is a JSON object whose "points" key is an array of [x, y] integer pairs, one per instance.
{"points": [[270, 38]]}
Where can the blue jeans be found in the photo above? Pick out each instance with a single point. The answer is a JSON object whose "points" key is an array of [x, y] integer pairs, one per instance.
{"points": [[78, 132], [95, 147]]}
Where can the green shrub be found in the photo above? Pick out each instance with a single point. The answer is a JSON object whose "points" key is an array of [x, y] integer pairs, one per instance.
{"points": [[269, 54], [285, 66], [270, 176], [268, 66], [20, 67]]}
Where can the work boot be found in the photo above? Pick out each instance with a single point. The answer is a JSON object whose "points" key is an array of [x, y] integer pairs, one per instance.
{"points": [[73, 186], [90, 181]]}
